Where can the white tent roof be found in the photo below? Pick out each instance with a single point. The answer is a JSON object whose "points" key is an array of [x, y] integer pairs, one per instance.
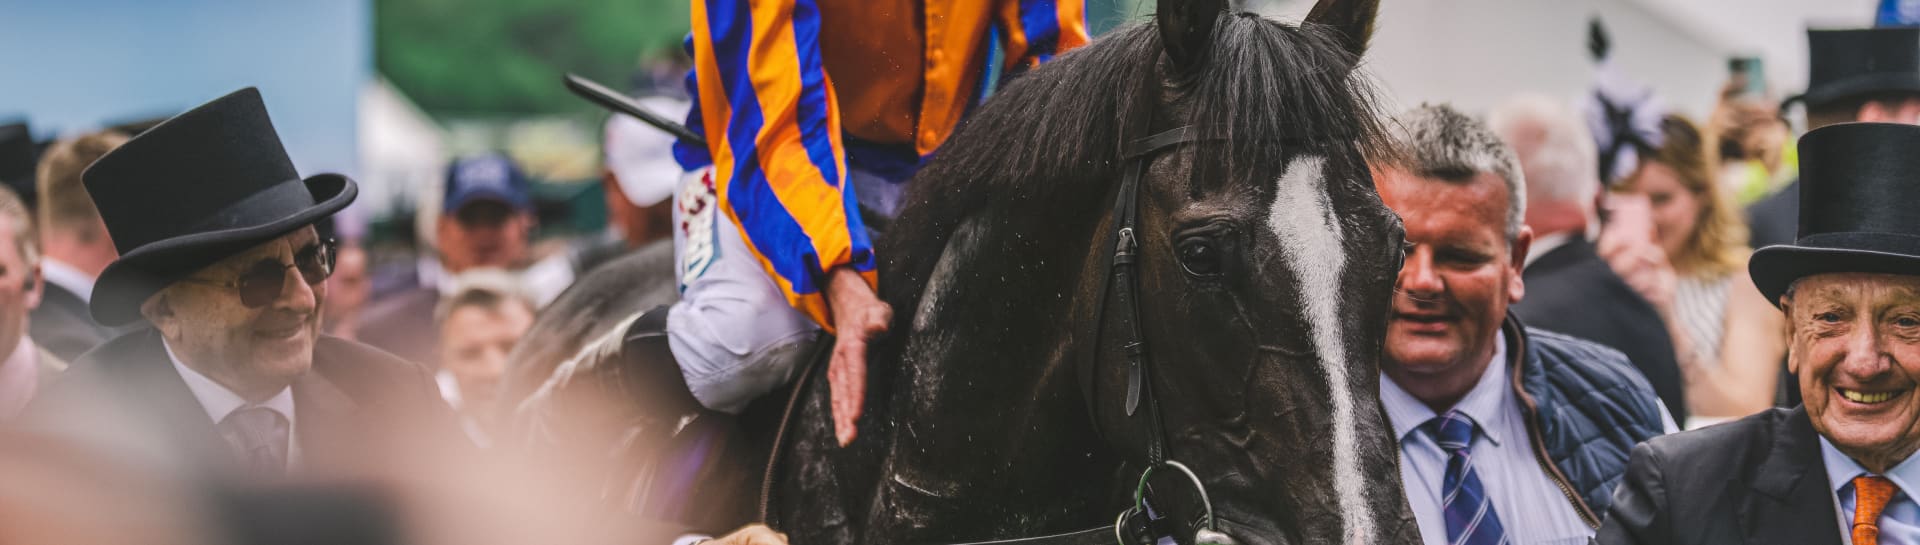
{"points": [[402, 152]]}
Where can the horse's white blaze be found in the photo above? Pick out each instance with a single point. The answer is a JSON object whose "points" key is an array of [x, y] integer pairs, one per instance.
{"points": [[1302, 217]]}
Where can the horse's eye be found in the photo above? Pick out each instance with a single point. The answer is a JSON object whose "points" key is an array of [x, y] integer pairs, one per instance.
{"points": [[1200, 258]]}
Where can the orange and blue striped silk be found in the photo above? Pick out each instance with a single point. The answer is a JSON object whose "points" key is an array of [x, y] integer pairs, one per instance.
{"points": [[767, 107], [1036, 30]]}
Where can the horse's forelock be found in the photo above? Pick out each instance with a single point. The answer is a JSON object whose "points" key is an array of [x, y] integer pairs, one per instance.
{"points": [[1276, 91]]}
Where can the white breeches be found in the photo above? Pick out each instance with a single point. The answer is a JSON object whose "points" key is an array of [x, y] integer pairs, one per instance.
{"points": [[734, 334]]}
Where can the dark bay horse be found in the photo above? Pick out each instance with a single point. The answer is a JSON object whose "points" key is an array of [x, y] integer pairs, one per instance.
{"points": [[1219, 160], [1264, 268]]}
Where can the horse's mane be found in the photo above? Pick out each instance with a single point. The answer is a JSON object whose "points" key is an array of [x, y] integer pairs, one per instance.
{"points": [[1052, 140]]}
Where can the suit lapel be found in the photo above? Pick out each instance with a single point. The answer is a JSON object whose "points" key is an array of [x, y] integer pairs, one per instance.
{"points": [[1791, 503], [149, 373], [325, 416]]}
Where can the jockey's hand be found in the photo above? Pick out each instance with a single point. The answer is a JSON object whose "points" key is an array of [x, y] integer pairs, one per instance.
{"points": [[753, 534], [858, 315]]}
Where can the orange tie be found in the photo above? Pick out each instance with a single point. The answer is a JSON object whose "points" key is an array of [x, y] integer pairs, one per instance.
{"points": [[1870, 497]]}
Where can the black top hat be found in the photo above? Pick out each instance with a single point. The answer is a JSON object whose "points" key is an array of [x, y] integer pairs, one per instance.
{"points": [[1854, 62], [19, 157], [1857, 197], [196, 189]]}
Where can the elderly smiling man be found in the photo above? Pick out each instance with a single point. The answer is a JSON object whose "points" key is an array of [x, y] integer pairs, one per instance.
{"points": [[1841, 467], [219, 259]]}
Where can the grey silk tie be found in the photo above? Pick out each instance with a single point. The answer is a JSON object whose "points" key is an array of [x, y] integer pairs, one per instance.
{"points": [[259, 435]]}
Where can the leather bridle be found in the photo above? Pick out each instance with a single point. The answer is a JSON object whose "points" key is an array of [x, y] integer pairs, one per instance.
{"points": [[1119, 299], [1121, 286]]}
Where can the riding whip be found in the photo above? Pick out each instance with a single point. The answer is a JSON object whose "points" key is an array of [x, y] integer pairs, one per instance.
{"points": [[621, 103]]}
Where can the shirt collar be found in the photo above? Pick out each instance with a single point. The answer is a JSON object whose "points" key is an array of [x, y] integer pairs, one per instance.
{"points": [[220, 401], [1545, 243], [68, 278], [1487, 403], [1841, 469]]}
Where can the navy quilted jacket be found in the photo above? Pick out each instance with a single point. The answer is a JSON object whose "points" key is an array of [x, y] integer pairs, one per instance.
{"points": [[1586, 407]]}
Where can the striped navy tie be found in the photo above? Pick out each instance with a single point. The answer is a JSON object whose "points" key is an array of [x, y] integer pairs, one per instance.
{"points": [[1471, 519]]}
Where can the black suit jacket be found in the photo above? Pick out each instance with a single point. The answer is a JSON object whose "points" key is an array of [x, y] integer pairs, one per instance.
{"points": [[1758, 481], [1775, 219], [63, 326], [353, 401], [1570, 290]]}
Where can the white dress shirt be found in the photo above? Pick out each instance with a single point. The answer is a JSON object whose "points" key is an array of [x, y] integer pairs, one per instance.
{"points": [[68, 278], [1899, 520], [219, 401], [1532, 509]]}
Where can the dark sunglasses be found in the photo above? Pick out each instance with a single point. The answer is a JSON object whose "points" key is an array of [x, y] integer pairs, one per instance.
{"points": [[263, 283]]}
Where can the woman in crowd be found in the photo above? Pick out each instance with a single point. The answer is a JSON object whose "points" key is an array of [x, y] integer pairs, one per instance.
{"points": [[1728, 338]]}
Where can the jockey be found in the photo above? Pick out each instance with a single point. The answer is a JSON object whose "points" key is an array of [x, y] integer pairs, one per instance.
{"points": [[798, 100]]}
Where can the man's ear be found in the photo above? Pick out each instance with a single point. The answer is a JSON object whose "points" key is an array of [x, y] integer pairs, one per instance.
{"points": [[158, 310], [33, 287], [1522, 243], [1786, 307]]}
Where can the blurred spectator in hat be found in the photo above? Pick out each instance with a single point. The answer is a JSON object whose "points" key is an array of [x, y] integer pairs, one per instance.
{"points": [[1727, 337], [18, 154], [76, 243], [481, 319], [25, 367], [230, 371], [486, 220], [641, 174], [638, 179], [1570, 289], [1869, 74], [487, 217]]}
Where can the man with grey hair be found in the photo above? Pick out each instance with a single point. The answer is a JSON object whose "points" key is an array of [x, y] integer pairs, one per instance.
{"points": [[1574, 291], [1507, 434]]}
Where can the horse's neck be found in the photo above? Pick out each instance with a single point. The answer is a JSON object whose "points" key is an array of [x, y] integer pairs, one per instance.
{"points": [[991, 430]]}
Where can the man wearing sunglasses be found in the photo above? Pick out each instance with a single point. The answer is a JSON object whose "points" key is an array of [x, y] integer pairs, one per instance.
{"points": [[221, 268]]}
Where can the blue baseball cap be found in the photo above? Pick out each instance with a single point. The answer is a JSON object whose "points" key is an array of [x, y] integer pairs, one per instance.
{"points": [[491, 177]]}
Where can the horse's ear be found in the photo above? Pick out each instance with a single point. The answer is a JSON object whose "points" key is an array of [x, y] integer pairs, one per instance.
{"points": [[1353, 18], [1186, 30]]}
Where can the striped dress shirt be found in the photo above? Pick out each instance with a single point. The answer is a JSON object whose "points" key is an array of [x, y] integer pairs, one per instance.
{"points": [[1531, 506]]}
